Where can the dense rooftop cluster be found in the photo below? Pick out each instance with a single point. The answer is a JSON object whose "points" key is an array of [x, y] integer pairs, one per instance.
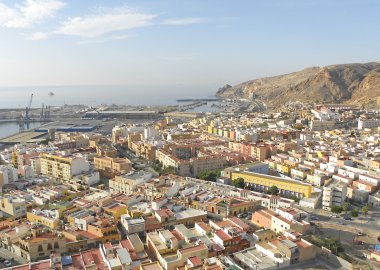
{"points": [[217, 191]]}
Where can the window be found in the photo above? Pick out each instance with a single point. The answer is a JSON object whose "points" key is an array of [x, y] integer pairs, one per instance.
{"points": [[49, 247], [40, 248]]}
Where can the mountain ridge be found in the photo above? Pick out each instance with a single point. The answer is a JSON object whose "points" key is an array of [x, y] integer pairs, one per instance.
{"points": [[355, 83]]}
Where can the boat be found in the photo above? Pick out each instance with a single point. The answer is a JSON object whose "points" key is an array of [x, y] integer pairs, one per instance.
{"points": [[51, 94]]}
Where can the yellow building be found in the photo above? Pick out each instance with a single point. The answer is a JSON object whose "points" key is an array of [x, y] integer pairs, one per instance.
{"points": [[375, 256], [151, 266], [283, 168], [44, 218], [63, 167], [168, 251], [116, 210], [263, 182], [105, 230], [13, 206], [39, 245], [116, 164]]}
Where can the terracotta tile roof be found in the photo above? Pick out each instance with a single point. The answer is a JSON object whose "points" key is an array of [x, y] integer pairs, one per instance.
{"points": [[195, 261], [193, 249], [222, 235]]}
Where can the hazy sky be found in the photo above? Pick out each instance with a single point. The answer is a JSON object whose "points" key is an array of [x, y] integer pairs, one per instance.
{"points": [[188, 42]]}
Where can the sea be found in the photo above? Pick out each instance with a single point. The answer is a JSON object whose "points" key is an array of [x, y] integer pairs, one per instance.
{"points": [[18, 97]]}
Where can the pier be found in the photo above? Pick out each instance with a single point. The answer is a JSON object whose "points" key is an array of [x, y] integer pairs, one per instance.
{"points": [[199, 100]]}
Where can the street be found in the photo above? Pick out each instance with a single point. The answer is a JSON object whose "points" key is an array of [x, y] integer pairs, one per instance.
{"points": [[369, 224], [9, 256]]}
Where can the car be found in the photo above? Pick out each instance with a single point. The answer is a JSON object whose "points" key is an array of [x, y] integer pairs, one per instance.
{"points": [[314, 218], [347, 218], [244, 215], [2, 260], [360, 234], [8, 264], [341, 223]]}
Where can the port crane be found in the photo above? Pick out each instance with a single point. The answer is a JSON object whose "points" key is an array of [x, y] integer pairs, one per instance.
{"points": [[26, 117], [27, 109]]}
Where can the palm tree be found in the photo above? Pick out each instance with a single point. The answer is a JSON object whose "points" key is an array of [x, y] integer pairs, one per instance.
{"points": [[346, 206], [365, 209]]}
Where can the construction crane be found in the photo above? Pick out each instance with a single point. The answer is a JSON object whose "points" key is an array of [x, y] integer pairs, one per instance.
{"points": [[47, 112], [27, 109], [42, 115]]}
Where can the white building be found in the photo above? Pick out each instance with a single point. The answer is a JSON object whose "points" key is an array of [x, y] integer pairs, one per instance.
{"points": [[334, 194], [128, 183], [150, 133], [368, 123], [374, 200], [63, 167], [8, 174], [321, 125], [133, 225]]}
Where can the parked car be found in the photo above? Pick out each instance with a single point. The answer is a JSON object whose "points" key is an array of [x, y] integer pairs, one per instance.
{"points": [[314, 218], [342, 223], [7, 263], [2, 260], [360, 234], [347, 218]]}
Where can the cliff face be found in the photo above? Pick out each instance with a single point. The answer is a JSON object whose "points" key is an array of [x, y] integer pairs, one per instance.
{"points": [[348, 83]]}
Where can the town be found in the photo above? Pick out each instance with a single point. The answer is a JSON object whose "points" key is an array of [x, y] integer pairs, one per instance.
{"points": [[292, 189]]}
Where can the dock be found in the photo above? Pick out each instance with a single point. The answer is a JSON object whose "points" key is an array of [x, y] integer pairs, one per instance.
{"points": [[199, 100]]}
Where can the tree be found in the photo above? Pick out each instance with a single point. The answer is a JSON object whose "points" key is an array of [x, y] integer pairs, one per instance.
{"points": [[273, 190], [365, 209], [336, 209], [238, 182], [346, 206], [209, 175], [354, 213], [168, 170], [294, 198]]}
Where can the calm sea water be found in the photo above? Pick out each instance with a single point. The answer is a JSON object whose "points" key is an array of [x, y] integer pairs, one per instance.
{"points": [[7, 129], [18, 97]]}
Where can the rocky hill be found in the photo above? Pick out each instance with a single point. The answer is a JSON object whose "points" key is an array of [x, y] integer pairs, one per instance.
{"points": [[349, 83]]}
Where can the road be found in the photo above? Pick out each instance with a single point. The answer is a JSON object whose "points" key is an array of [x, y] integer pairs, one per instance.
{"points": [[329, 226], [369, 225], [6, 254], [138, 163]]}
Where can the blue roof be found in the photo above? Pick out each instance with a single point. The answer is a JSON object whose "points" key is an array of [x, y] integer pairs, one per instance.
{"points": [[66, 260], [69, 129]]}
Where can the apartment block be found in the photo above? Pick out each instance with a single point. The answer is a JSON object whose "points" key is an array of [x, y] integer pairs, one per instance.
{"points": [[63, 167], [368, 123], [120, 165], [13, 206], [334, 194]]}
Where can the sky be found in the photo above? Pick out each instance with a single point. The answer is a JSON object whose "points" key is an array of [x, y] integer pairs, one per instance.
{"points": [[173, 42]]}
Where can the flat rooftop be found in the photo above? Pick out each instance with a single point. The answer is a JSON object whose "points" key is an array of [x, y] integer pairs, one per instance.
{"points": [[24, 137], [274, 178]]}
